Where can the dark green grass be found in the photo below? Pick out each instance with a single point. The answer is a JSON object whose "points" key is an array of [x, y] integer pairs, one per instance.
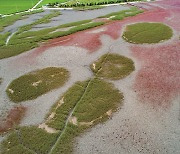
{"points": [[120, 15], [34, 84], [147, 33], [100, 96], [18, 149], [113, 66], [70, 98], [13, 6], [28, 140], [37, 139]]}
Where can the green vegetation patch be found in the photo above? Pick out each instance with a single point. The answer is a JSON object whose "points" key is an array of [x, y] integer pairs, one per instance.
{"points": [[99, 97], [112, 66], [28, 140], [64, 105], [34, 84], [147, 33], [120, 15], [37, 139], [25, 40]]}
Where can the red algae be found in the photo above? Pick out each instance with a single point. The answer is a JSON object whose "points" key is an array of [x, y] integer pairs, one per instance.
{"points": [[158, 81], [13, 118]]}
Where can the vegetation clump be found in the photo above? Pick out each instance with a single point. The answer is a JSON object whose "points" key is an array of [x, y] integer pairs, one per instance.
{"points": [[34, 84], [112, 66], [147, 33], [28, 140]]}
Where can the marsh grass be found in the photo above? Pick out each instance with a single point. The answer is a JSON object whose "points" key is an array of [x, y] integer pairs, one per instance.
{"points": [[112, 66], [20, 149], [34, 84], [28, 140], [25, 40], [98, 98], [67, 103], [147, 33], [37, 139]]}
